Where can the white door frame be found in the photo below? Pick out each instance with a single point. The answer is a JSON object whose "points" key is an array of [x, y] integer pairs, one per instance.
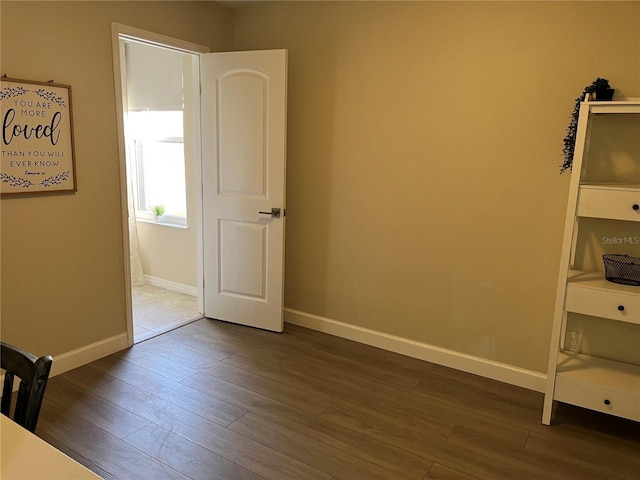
{"points": [[119, 31]]}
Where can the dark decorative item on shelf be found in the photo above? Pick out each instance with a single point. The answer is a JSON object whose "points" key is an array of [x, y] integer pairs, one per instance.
{"points": [[623, 269], [602, 90]]}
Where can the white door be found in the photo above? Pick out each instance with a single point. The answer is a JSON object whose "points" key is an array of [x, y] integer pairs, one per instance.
{"points": [[243, 176]]}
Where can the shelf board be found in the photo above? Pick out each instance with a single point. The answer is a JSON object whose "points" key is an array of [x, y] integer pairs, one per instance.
{"points": [[620, 376], [628, 105], [611, 186], [597, 280]]}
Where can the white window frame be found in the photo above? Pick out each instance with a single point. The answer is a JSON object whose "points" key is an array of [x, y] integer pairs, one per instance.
{"points": [[144, 214]]}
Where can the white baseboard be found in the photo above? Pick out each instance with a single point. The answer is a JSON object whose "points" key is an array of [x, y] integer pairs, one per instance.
{"points": [[449, 358], [87, 354], [173, 286], [81, 356]]}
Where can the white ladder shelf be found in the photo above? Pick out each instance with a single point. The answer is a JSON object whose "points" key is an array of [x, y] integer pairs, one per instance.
{"points": [[600, 384]]}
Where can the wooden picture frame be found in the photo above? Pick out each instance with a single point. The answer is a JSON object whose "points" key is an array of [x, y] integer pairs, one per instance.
{"points": [[37, 138]]}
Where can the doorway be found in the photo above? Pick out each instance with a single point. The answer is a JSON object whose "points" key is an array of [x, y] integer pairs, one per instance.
{"points": [[239, 99], [157, 79]]}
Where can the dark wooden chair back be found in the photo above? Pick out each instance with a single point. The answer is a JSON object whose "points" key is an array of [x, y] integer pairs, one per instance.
{"points": [[33, 373]]}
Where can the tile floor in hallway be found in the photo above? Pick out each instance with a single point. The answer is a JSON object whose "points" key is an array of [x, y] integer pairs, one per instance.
{"points": [[157, 310]]}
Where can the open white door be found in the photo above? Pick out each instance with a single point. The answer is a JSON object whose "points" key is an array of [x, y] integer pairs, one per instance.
{"points": [[243, 174]]}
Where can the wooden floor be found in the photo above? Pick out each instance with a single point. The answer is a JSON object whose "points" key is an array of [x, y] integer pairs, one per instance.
{"points": [[218, 401]]}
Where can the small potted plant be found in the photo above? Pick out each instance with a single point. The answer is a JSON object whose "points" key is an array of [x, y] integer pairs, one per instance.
{"points": [[600, 87], [158, 211]]}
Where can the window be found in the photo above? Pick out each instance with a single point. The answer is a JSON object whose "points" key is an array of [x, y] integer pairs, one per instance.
{"points": [[154, 130], [156, 146]]}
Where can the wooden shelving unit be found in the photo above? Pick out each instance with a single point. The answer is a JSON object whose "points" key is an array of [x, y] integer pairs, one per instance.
{"points": [[601, 384]]}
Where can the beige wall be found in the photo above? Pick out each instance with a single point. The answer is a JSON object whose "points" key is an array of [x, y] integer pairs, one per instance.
{"points": [[62, 256], [423, 194], [168, 253]]}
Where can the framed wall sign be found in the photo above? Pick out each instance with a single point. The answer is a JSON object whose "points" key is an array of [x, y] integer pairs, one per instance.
{"points": [[37, 138]]}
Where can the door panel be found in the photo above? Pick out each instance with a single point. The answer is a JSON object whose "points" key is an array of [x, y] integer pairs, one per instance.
{"points": [[242, 98], [243, 173], [243, 266]]}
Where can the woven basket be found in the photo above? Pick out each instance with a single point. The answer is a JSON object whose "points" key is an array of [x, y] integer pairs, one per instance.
{"points": [[622, 269]]}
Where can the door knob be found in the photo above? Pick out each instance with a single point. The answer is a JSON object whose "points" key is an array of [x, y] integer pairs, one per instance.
{"points": [[275, 212]]}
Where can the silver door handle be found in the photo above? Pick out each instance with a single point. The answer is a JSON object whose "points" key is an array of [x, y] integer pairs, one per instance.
{"points": [[275, 212]]}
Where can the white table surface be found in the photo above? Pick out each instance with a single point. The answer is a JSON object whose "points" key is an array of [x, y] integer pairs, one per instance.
{"points": [[25, 456]]}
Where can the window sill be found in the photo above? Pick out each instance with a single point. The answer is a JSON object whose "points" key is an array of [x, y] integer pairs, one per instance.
{"points": [[163, 223]]}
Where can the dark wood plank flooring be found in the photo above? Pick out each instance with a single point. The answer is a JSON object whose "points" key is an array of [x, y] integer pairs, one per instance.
{"points": [[213, 400]]}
